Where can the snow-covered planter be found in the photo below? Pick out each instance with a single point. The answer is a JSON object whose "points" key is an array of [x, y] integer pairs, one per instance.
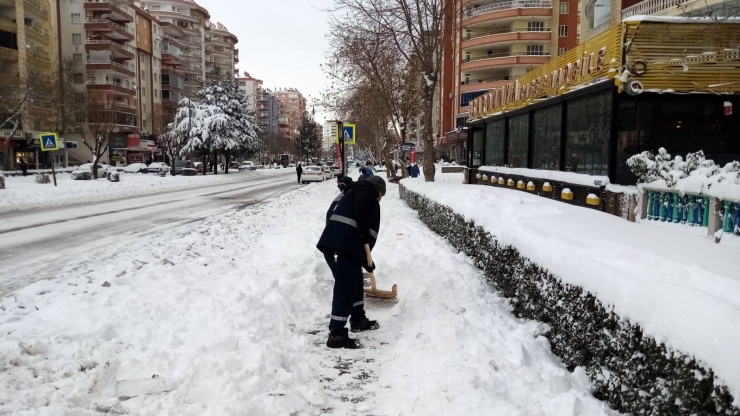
{"points": [[42, 178], [81, 176], [114, 176], [633, 372]]}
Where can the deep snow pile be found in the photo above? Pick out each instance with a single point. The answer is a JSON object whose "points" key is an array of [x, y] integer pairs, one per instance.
{"points": [[24, 193], [682, 288], [229, 317]]}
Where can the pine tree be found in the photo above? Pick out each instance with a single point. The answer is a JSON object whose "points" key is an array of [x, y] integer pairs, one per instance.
{"points": [[309, 143]]}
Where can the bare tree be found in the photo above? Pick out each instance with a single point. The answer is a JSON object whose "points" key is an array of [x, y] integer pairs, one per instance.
{"points": [[96, 128], [414, 29]]}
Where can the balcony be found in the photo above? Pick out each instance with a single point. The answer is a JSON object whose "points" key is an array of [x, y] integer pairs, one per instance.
{"points": [[109, 29], [507, 10], [112, 10], [37, 8], [172, 29], [109, 86], [504, 59], [507, 36], [648, 7], [171, 59], [117, 50], [484, 83], [39, 54], [7, 24], [115, 106], [174, 41], [103, 65]]}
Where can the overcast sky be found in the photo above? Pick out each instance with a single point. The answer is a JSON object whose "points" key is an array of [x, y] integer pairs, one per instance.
{"points": [[281, 42]]}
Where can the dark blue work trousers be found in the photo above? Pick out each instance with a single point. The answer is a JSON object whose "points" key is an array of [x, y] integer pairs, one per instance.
{"points": [[349, 298]]}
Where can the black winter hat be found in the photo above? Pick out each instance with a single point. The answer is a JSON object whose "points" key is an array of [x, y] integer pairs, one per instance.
{"points": [[343, 183], [378, 183]]}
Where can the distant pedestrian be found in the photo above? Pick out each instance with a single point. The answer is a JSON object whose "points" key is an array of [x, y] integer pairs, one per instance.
{"points": [[299, 172], [415, 170], [24, 167]]}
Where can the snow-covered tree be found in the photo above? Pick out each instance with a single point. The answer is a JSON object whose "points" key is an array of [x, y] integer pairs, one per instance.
{"points": [[234, 131], [308, 143]]}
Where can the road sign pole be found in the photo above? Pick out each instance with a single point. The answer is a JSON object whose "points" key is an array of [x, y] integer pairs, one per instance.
{"points": [[53, 171]]}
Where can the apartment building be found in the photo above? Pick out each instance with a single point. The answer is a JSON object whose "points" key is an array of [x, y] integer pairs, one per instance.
{"points": [[329, 135], [249, 86], [292, 106], [221, 56], [27, 50], [495, 41], [268, 111]]}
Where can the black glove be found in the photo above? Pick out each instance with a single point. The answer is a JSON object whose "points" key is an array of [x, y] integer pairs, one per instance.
{"points": [[369, 267]]}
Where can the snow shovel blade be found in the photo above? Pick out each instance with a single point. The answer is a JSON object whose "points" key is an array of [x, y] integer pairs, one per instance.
{"points": [[373, 292]]}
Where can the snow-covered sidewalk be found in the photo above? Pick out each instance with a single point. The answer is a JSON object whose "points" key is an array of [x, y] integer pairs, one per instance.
{"points": [[24, 193], [681, 287], [229, 317]]}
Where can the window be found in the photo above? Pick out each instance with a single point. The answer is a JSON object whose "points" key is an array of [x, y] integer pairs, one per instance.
{"points": [[77, 57], [535, 26], [564, 7], [142, 74], [563, 31], [77, 78], [535, 50], [75, 1], [79, 98], [588, 131], [138, 37], [76, 38], [477, 147], [143, 91], [518, 141], [546, 138], [495, 141], [156, 93], [562, 51], [75, 18]]}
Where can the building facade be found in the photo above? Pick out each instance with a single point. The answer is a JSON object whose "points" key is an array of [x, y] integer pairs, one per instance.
{"points": [[27, 50], [292, 106], [492, 42], [268, 112], [329, 135], [221, 55], [251, 87]]}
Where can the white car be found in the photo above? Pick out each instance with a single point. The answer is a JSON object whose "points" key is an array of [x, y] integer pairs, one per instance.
{"points": [[87, 167], [312, 174], [135, 168], [157, 167], [328, 173], [378, 169]]}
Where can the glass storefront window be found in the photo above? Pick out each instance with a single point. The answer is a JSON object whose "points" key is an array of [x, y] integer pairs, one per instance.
{"points": [[477, 147], [589, 128], [546, 140], [518, 141], [495, 140]]}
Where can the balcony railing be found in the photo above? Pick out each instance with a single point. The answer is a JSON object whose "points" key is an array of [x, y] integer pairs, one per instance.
{"points": [[39, 54], [110, 105], [506, 30], [507, 5], [123, 9], [44, 9], [650, 7], [38, 30], [110, 22], [489, 79], [126, 48], [506, 54], [115, 84], [600, 28], [128, 67]]}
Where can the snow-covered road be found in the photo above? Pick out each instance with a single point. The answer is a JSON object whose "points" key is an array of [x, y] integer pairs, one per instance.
{"points": [[35, 244], [227, 315]]}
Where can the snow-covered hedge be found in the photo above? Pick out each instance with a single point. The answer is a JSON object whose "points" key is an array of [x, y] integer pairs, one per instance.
{"points": [[694, 175], [631, 371]]}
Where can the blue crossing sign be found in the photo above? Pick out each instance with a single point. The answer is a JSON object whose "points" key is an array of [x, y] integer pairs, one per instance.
{"points": [[347, 134], [49, 141]]}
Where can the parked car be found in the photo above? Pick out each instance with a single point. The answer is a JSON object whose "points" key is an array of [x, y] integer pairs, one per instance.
{"points": [[327, 172], [157, 167], [87, 167], [198, 166], [335, 170], [312, 174], [234, 165], [247, 164], [135, 168], [182, 164]]}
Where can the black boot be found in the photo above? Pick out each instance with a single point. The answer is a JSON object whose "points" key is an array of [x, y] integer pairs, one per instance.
{"points": [[339, 338], [363, 324]]}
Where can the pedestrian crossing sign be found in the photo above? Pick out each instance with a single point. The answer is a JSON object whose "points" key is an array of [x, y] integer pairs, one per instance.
{"points": [[49, 141], [348, 134]]}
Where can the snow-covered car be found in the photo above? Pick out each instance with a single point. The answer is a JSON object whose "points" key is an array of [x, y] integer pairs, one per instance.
{"points": [[380, 169], [247, 164], [327, 172], [135, 168], [157, 167], [312, 174], [182, 164], [291, 165], [87, 167]]}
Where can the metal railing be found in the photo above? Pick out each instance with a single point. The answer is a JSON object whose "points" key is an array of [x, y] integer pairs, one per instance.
{"points": [[109, 105], [650, 7], [126, 48], [41, 104], [600, 28], [38, 6], [506, 30], [39, 54], [507, 5], [505, 55], [116, 64], [489, 79], [37, 29], [123, 9], [110, 22]]}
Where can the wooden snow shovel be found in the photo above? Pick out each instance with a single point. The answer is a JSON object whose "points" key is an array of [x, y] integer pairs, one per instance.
{"points": [[373, 292]]}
